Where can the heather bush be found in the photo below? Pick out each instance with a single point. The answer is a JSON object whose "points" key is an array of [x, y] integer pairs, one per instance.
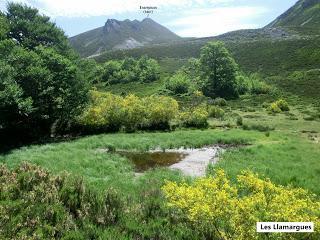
{"points": [[38, 205]]}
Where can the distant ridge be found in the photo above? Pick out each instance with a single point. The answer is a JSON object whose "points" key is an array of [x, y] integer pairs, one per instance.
{"points": [[305, 14], [125, 34]]}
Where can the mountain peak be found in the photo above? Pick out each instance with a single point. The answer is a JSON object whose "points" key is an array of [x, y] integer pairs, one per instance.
{"points": [[124, 34]]}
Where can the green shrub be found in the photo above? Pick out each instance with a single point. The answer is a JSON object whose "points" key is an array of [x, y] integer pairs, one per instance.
{"points": [[257, 86], [130, 70], [258, 127], [197, 117], [220, 102], [239, 121], [178, 84], [215, 112], [252, 84], [38, 205]]}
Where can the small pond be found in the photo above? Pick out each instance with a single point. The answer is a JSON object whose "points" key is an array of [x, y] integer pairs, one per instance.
{"points": [[192, 162], [146, 160]]}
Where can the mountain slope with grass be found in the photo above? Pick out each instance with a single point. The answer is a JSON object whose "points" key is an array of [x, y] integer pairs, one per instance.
{"points": [[303, 16], [121, 35]]}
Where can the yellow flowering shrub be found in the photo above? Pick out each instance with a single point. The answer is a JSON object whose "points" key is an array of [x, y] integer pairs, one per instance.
{"points": [[105, 110], [196, 117], [221, 210], [160, 110], [279, 106], [111, 112], [134, 112]]}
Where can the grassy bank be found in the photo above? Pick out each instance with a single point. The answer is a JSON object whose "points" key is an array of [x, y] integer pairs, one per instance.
{"points": [[280, 155]]}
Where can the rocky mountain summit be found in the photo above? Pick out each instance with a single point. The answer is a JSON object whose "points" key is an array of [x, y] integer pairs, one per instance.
{"points": [[125, 34]]}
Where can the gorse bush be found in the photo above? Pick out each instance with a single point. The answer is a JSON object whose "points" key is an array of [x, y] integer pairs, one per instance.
{"points": [[130, 70], [38, 205], [283, 105], [279, 106], [159, 111], [221, 210], [109, 112]]}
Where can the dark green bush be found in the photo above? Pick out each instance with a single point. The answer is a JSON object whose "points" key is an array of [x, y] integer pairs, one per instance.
{"points": [[258, 127], [130, 70], [41, 85], [178, 84], [239, 121], [220, 102]]}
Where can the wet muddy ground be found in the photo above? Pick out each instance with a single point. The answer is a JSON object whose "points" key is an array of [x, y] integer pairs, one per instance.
{"points": [[191, 162]]}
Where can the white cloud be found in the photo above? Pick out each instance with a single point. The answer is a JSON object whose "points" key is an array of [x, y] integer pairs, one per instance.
{"points": [[211, 22], [73, 8]]}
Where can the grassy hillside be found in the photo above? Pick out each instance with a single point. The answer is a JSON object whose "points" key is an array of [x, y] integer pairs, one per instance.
{"points": [[269, 57], [303, 16]]}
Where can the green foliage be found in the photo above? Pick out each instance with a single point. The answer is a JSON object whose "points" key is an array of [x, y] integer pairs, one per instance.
{"points": [[239, 121], [215, 112], [148, 69], [108, 112], [44, 87], [265, 56], [196, 117], [41, 86], [279, 106], [252, 84], [218, 71], [220, 102], [178, 84], [130, 70], [4, 27], [257, 127], [221, 210], [30, 29], [36, 204]]}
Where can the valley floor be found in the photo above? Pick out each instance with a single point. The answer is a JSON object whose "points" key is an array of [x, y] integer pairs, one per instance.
{"points": [[288, 155]]}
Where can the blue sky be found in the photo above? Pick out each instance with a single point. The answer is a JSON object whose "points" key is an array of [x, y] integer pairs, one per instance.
{"points": [[187, 18]]}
